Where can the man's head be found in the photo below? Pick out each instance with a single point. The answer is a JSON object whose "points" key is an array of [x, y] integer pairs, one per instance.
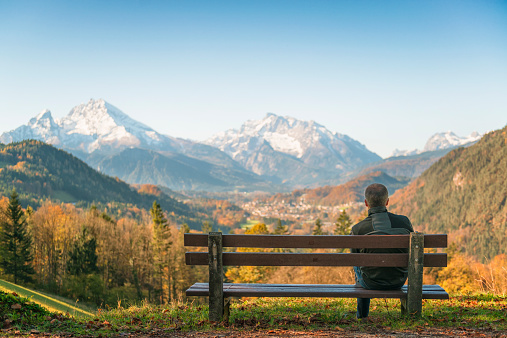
{"points": [[376, 195]]}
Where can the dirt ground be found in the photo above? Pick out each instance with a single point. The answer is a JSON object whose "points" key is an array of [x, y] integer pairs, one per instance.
{"points": [[366, 332]]}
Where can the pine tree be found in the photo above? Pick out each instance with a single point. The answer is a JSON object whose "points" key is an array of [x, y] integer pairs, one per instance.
{"points": [[280, 229], [161, 245], [343, 223], [83, 255], [206, 227], [15, 242], [317, 231]]}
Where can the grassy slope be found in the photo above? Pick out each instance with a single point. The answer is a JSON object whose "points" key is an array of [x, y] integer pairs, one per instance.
{"points": [[482, 315], [52, 304]]}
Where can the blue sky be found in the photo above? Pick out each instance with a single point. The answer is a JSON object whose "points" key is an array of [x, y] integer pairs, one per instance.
{"points": [[387, 73]]}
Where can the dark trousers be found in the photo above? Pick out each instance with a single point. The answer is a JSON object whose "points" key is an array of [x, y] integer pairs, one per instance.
{"points": [[363, 304]]}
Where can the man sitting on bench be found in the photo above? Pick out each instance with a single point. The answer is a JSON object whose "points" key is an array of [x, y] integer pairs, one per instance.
{"points": [[379, 222]]}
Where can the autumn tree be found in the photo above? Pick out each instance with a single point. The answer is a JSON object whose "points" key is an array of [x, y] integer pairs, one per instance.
{"points": [[15, 242], [251, 274]]}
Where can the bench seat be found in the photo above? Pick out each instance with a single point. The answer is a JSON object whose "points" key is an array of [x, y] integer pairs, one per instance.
{"points": [[312, 290]]}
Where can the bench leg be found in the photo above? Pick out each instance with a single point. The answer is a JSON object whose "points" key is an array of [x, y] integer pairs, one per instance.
{"points": [[227, 309], [403, 307], [216, 281]]}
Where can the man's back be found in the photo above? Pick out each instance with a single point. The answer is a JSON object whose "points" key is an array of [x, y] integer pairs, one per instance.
{"points": [[381, 222]]}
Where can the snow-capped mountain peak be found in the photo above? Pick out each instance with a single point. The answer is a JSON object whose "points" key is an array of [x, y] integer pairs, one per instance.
{"points": [[44, 114], [449, 139], [99, 118], [438, 141], [305, 142], [96, 125]]}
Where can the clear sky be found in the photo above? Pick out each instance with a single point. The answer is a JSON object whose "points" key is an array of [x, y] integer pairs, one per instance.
{"points": [[387, 73]]}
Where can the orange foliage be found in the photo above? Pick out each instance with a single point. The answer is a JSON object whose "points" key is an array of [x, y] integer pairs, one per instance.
{"points": [[464, 274], [149, 189]]}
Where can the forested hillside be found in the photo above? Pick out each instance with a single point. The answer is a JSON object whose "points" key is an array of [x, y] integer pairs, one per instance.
{"points": [[39, 171], [463, 194]]}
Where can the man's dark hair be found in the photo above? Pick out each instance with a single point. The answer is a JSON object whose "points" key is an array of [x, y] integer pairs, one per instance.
{"points": [[376, 195]]}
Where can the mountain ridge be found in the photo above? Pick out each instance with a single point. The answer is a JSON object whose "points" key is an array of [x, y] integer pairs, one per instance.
{"points": [[463, 194], [261, 145], [40, 171]]}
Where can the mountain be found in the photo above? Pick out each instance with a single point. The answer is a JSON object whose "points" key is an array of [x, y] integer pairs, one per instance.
{"points": [[449, 140], [463, 194], [176, 171], [350, 192], [402, 166], [102, 135], [292, 151], [405, 163], [40, 171], [440, 141], [96, 125]]}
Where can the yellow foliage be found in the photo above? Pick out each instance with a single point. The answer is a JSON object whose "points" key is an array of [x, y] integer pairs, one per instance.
{"points": [[493, 276], [258, 229], [458, 276], [250, 274]]}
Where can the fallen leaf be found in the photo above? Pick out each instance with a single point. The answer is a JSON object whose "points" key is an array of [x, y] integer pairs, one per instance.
{"points": [[16, 306]]}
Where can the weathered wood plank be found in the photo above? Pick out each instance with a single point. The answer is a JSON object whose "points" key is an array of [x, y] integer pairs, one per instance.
{"points": [[302, 290], [415, 275], [317, 242], [216, 291], [315, 259]]}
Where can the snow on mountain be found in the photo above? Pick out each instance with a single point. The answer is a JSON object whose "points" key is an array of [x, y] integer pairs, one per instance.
{"points": [[440, 141], [96, 125], [263, 145], [448, 140], [398, 152]]}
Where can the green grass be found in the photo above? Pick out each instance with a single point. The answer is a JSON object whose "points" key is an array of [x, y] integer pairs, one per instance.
{"points": [[480, 311], [249, 224], [53, 304], [484, 313]]}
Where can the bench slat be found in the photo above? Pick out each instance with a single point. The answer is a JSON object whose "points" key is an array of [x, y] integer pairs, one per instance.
{"points": [[305, 290], [315, 259], [316, 242], [248, 285]]}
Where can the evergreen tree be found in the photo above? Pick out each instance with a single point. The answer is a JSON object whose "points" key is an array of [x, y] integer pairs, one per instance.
{"points": [[280, 229], [343, 224], [161, 245], [15, 242], [83, 255], [317, 231], [206, 227]]}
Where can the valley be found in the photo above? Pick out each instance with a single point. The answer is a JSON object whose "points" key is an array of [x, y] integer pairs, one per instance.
{"points": [[119, 197]]}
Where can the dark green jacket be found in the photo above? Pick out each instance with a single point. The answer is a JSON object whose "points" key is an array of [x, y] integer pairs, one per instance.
{"points": [[384, 223]]}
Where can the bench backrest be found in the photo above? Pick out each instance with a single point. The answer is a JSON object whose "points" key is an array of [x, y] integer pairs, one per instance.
{"points": [[217, 241]]}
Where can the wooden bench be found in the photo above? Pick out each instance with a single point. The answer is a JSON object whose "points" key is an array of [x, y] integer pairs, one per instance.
{"points": [[219, 293]]}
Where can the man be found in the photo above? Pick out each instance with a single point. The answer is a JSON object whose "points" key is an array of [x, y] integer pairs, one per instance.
{"points": [[379, 222]]}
